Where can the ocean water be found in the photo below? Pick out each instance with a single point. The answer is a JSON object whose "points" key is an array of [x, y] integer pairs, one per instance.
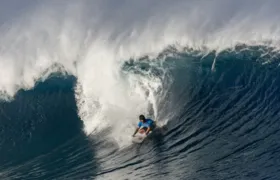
{"points": [[75, 76]]}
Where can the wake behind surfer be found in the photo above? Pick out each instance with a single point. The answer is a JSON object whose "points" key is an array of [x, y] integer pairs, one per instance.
{"points": [[144, 125]]}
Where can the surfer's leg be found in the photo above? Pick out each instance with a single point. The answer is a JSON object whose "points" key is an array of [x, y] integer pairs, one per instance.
{"points": [[153, 126]]}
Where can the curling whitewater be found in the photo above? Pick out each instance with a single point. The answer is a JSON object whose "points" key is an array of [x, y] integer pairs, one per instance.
{"points": [[226, 124]]}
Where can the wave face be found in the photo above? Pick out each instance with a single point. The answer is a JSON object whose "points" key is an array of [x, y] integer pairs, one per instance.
{"points": [[75, 77]]}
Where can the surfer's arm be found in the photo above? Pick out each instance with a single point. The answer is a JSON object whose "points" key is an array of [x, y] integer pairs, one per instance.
{"points": [[135, 131], [148, 130]]}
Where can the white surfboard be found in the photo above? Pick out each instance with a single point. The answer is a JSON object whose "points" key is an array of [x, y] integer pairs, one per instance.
{"points": [[138, 138]]}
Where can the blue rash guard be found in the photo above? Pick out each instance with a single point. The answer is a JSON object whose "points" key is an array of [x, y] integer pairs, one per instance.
{"points": [[147, 124]]}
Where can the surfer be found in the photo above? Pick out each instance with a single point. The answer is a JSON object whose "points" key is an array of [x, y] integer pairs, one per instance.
{"points": [[144, 125]]}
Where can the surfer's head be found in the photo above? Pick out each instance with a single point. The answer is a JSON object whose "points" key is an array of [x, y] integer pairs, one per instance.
{"points": [[142, 118]]}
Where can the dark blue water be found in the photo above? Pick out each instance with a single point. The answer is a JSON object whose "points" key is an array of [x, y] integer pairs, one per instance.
{"points": [[226, 125]]}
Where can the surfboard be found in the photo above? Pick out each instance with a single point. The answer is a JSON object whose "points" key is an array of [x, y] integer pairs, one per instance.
{"points": [[138, 138]]}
